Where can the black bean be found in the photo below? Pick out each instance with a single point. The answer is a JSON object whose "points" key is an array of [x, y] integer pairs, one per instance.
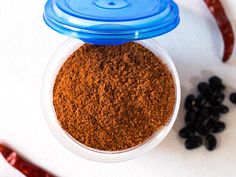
{"points": [[219, 97], [215, 117], [186, 132], [190, 102], [209, 125], [203, 128], [190, 117], [200, 129], [210, 142], [193, 142], [218, 127], [201, 101], [216, 99], [213, 110], [216, 84], [203, 113], [204, 88], [221, 109], [215, 79], [233, 98]]}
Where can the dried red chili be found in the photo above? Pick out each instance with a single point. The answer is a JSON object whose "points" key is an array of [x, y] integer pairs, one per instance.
{"points": [[225, 26], [25, 167]]}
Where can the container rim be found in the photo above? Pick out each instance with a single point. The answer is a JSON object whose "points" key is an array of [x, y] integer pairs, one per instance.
{"points": [[52, 69]]}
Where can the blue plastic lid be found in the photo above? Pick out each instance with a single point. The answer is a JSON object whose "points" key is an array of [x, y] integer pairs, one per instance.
{"points": [[111, 21]]}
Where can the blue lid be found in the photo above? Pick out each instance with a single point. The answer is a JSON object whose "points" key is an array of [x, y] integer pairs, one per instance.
{"points": [[111, 21]]}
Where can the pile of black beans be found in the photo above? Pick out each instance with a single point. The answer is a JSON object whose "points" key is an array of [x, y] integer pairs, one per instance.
{"points": [[203, 114]]}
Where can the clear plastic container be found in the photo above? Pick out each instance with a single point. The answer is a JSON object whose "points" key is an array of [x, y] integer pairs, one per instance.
{"points": [[52, 70]]}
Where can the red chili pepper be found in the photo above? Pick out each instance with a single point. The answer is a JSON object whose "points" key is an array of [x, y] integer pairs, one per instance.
{"points": [[25, 167], [225, 26]]}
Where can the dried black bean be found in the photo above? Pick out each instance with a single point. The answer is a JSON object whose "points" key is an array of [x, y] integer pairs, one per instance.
{"points": [[216, 84], [201, 101], [233, 98], [217, 99], [215, 80], [190, 117], [213, 111], [200, 129], [204, 88], [186, 132], [193, 142], [203, 128], [209, 125], [210, 142], [203, 113], [190, 102], [215, 117], [220, 97], [218, 89], [221, 109], [218, 127]]}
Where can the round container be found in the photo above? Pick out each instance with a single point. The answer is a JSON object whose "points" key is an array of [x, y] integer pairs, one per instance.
{"points": [[78, 148]]}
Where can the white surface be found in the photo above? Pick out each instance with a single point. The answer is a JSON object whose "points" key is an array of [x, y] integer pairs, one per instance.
{"points": [[26, 45]]}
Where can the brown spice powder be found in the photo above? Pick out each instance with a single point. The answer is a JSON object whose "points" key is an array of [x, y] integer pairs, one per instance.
{"points": [[113, 97]]}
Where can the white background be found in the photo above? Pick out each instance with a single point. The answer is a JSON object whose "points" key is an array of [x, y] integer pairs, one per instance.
{"points": [[26, 45]]}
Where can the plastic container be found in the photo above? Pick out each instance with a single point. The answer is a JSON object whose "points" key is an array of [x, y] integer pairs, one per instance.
{"points": [[107, 22], [52, 70]]}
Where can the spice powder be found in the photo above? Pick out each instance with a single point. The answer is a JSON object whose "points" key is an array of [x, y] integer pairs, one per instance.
{"points": [[113, 98]]}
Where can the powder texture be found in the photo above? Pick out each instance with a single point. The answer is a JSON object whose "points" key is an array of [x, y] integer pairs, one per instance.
{"points": [[113, 97]]}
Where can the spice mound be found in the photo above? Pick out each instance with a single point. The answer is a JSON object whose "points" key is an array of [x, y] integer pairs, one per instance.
{"points": [[113, 98]]}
